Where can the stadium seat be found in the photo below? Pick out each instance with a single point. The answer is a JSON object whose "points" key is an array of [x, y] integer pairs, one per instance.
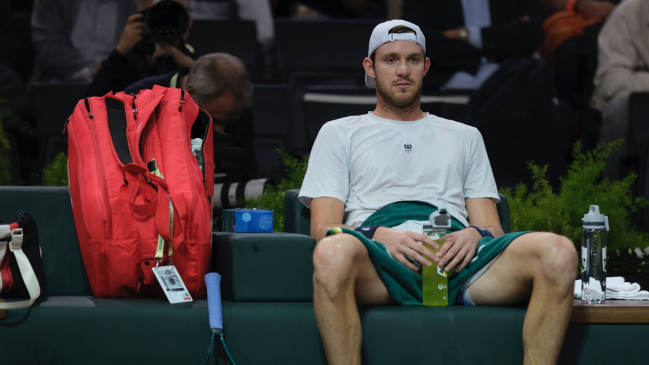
{"points": [[55, 104], [271, 113], [238, 38], [322, 45]]}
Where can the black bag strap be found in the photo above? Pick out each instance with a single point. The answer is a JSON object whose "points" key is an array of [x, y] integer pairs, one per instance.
{"points": [[116, 116]]}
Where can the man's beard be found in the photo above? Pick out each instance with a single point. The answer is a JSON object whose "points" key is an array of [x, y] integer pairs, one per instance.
{"points": [[398, 103]]}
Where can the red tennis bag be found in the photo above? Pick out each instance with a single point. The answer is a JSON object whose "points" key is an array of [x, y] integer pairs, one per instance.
{"points": [[139, 196]]}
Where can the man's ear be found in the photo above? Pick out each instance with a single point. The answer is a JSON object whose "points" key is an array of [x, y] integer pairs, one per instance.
{"points": [[426, 65], [190, 89], [369, 67]]}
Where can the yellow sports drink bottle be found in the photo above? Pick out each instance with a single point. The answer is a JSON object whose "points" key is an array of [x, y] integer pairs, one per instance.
{"points": [[434, 279]]}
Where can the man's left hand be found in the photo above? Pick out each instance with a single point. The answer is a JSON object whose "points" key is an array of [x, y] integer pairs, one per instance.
{"points": [[459, 34], [458, 249], [177, 57]]}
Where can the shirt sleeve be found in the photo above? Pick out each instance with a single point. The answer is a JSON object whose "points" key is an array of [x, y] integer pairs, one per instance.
{"points": [[479, 181], [51, 42], [328, 172], [475, 37]]}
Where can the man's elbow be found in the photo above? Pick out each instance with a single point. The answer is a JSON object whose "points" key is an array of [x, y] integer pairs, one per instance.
{"points": [[318, 231]]}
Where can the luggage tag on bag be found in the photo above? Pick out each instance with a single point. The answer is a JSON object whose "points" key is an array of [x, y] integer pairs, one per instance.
{"points": [[168, 276], [172, 284]]}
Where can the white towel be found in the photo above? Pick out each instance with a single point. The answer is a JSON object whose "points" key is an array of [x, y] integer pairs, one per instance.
{"points": [[616, 288]]}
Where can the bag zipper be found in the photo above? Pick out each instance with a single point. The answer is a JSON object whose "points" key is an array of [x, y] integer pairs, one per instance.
{"points": [[195, 193], [102, 175], [182, 100], [207, 131], [134, 108], [85, 101]]}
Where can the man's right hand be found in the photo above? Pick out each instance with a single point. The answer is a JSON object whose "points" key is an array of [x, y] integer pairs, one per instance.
{"points": [[406, 243], [132, 34]]}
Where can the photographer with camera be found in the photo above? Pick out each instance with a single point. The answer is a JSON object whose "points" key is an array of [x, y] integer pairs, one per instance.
{"points": [[152, 43]]}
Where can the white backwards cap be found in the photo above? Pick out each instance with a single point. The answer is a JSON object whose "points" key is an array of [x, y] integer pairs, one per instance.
{"points": [[381, 34]]}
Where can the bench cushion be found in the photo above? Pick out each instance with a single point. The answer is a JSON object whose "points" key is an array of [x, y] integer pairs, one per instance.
{"points": [[83, 330], [264, 266]]}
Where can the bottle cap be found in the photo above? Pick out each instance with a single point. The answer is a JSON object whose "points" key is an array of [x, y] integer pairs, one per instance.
{"points": [[197, 143], [594, 219], [440, 220]]}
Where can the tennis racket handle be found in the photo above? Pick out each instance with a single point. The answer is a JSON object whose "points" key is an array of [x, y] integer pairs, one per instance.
{"points": [[213, 282]]}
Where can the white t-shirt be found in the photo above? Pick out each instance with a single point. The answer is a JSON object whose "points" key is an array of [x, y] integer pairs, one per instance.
{"points": [[369, 162]]}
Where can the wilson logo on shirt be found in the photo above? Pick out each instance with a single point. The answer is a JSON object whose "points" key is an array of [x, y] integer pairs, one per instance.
{"points": [[408, 148]]}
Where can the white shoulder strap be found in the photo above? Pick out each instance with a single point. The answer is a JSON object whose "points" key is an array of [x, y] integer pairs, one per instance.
{"points": [[26, 270]]}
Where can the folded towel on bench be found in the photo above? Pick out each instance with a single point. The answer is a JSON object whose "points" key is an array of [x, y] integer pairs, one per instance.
{"points": [[616, 288]]}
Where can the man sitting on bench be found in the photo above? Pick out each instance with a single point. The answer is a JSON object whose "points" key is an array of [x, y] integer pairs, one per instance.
{"points": [[397, 164]]}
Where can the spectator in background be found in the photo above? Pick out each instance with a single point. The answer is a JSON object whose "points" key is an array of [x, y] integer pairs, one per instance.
{"points": [[219, 83], [72, 37], [570, 44], [127, 63], [623, 69], [482, 49], [471, 37]]}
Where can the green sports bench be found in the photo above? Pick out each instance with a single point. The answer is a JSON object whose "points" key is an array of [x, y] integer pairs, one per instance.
{"points": [[267, 309]]}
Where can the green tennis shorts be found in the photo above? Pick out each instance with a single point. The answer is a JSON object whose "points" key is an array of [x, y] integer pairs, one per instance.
{"points": [[404, 285]]}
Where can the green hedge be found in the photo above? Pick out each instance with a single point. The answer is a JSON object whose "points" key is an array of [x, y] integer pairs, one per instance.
{"points": [[542, 209]]}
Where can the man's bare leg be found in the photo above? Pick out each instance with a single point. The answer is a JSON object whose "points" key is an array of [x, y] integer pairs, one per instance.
{"points": [[545, 266], [343, 277]]}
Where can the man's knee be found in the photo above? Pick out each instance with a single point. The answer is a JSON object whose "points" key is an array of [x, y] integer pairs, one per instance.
{"points": [[334, 260], [558, 259]]}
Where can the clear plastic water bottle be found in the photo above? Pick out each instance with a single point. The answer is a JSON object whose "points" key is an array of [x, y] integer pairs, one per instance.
{"points": [[434, 279], [593, 256], [197, 150]]}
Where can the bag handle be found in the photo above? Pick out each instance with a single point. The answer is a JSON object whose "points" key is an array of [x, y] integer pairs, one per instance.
{"points": [[26, 270], [165, 212], [138, 186], [142, 182]]}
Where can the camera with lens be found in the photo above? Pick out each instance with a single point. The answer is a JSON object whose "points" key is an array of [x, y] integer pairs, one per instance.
{"points": [[165, 22]]}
